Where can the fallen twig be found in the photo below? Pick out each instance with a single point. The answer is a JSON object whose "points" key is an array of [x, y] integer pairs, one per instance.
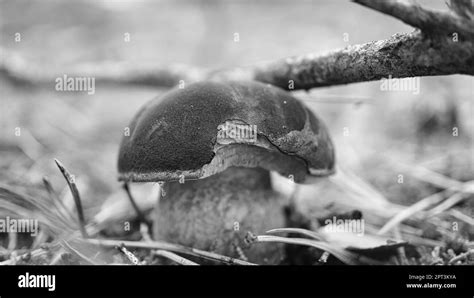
{"points": [[174, 257], [171, 247]]}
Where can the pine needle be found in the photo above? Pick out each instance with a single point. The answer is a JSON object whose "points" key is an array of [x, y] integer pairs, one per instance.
{"points": [[171, 247], [75, 194], [174, 257]]}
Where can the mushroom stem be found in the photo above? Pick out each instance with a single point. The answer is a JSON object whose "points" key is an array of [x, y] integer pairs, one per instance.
{"points": [[215, 213]]}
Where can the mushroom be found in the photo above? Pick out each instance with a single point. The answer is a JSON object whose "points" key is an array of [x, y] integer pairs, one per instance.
{"points": [[213, 145]]}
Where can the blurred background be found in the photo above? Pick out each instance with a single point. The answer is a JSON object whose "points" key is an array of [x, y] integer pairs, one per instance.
{"points": [[376, 133]]}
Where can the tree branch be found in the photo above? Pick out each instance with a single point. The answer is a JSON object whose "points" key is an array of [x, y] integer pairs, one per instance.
{"points": [[425, 19], [443, 44], [17, 69], [402, 55]]}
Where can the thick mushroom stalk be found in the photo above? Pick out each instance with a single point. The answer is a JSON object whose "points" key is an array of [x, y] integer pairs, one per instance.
{"points": [[214, 145], [215, 213]]}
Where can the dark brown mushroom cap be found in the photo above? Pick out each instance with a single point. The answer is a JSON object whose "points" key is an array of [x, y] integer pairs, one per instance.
{"points": [[188, 133]]}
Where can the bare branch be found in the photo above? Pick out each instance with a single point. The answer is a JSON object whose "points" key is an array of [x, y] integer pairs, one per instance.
{"points": [[443, 44], [422, 18], [402, 55], [20, 70]]}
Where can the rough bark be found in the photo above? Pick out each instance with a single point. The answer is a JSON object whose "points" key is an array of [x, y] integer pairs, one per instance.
{"points": [[458, 20], [402, 55], [443, 44]]}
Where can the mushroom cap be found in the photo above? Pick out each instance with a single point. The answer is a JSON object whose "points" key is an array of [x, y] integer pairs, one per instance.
{"points": [[206, 127]]}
